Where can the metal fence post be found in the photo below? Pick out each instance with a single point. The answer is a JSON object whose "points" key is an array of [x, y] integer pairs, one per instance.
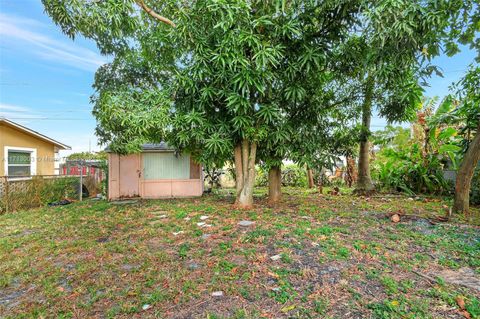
{"points": [[7, 196], [81, 181]]}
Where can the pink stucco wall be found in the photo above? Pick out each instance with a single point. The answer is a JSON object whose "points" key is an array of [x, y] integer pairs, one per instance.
{"points": [[125, 179], [172, 188]]}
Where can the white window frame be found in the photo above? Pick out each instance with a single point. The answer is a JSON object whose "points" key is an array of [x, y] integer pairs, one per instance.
{"points": [[33, 160]]}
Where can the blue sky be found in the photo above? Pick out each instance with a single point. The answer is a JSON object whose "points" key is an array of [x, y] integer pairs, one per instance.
{"points": [[46, 78]]}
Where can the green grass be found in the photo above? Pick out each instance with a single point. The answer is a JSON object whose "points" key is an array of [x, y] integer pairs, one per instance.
{"points": [[340, 256]]}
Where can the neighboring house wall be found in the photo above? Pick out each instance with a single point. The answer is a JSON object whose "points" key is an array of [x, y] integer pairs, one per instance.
{"points": [[153, 175], [44, 152]]}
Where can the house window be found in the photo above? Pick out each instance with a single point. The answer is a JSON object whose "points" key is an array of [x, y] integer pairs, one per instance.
{"points": [[20, 163]]}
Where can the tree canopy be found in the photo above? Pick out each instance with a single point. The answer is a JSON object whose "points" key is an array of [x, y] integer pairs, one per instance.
{"points": [[225, 79]]}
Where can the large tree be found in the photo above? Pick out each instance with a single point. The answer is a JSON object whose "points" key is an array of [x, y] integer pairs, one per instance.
{"points": [[206, 76], [468, 113], [209, 85], [308, 129]]}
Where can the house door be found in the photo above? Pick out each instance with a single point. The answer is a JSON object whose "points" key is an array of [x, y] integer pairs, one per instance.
{"points": [[129, 175]]}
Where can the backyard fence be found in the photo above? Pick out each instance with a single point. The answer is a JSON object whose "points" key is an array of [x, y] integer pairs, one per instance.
{"points": [[35, 191]]}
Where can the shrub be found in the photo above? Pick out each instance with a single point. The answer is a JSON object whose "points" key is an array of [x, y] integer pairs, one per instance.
{"points": [[213, 174], [261, 176], [292, 175], [37, 191], [410, 171]]}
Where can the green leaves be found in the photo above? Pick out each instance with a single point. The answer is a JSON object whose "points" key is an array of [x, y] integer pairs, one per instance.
{"points": [[269, 114], [287, 74], [295, 93], [447, 133], [449, 148], [268, 57], [218, 145]]}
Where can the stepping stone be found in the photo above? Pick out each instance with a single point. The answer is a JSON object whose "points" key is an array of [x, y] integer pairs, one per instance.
{"points": [[246, 223], [203, 217], [178, 233], [276, 257], [206, 236], [146, 307], [193, 266], [217, 294]]}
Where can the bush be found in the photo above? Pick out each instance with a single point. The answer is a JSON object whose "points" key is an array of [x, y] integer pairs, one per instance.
{"points": [[407, 170], [292, 175], [261, 176], [295, 176], [37, 192], [213, 175]]}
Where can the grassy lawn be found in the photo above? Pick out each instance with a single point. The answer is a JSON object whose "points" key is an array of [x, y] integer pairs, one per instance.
{"points": [[333, 257]]}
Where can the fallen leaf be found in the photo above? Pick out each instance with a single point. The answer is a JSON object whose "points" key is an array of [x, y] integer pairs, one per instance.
{"points": [[460, 302], [288, 308], [395, 218]]}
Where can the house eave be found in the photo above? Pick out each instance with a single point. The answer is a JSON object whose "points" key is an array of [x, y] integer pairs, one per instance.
{"points": [[22, 128]]}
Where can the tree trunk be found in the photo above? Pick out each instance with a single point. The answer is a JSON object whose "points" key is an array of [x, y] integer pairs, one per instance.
{"points": [[245, 153], [465, 174], [274, 184], [364, 183], [311, 183], [351, 175]]}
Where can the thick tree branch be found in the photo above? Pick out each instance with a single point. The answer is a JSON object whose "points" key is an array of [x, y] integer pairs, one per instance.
{"points": [[153, 14]]}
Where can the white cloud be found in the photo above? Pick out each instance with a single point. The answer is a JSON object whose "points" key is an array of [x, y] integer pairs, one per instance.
{"points": [[16, 29], [14, 108], [16, 113], [16, 117]]}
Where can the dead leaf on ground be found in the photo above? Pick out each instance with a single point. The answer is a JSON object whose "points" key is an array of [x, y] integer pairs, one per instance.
{"points": [[395, 218], [460, 302]]}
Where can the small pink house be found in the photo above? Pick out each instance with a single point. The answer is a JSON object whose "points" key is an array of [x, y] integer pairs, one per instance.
{"points": [[157, 172]]}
